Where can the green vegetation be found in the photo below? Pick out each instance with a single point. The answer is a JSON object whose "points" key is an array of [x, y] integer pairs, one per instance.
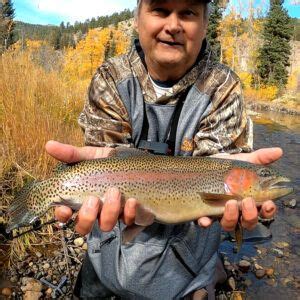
{"points": [[213, 31], [67, 35], [7, 24], [275, 52]]}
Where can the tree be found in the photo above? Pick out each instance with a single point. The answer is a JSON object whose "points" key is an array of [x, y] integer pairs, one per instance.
{"points": [[213, 31], [273, 58], [7, 24]]}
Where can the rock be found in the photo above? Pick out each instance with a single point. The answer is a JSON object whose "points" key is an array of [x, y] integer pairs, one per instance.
{"points": [[271, 282], [244, 265], [31, 284], [277, 252], [6, 292], [79, 242], [32, 295], [231, 283], [84, 246], [291, 203], [236, 296], [260, 273], [38, 254], [258, 267], [269, 272], [48, 292], [248, 282], [46, 266], [282, 245]]}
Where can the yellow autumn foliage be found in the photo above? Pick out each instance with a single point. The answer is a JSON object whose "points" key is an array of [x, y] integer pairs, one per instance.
{"points": [[82, 62]]}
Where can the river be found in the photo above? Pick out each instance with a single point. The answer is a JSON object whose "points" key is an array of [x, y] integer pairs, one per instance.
{"points": [[277, 130]]}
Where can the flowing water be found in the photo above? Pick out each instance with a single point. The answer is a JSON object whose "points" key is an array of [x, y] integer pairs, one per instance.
{"points": [[277, 130]]}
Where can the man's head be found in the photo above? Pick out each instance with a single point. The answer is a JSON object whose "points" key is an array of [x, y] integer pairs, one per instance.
{"points": [[171, 33]]}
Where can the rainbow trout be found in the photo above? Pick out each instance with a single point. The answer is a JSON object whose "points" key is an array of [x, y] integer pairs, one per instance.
{"points": [[168, 190]]}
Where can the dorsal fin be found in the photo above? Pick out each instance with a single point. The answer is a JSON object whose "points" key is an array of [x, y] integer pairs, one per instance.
{"points": [[125, 152]]}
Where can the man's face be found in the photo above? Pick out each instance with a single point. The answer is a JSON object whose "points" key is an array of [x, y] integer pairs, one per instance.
{"points": [[171, 33]]}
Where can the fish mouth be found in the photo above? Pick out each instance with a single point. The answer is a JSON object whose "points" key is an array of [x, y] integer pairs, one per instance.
{"points": [[278, 187]]}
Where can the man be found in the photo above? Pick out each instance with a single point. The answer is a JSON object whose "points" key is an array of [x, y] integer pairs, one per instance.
{"points": [[166, 96]]}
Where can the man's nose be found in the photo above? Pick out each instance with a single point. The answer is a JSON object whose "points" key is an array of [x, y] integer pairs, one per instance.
{"points": [[173, 25]]}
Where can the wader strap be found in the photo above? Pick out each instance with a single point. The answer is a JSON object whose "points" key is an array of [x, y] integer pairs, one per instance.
{"points": [[168, 147]]}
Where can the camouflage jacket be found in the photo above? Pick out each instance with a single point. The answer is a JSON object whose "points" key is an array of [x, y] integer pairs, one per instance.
{"points": [[212, 120]]}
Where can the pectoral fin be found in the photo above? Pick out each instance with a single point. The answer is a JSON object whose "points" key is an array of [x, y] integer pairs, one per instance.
{"points": [[216, 199], [67, 201], [130, 232], [143, 217], [238, 232]]}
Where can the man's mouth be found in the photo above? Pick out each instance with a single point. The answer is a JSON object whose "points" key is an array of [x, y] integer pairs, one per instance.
{"points": [[170, 43]]}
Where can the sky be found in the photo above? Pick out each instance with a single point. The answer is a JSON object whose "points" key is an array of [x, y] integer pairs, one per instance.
{"points": [[56, 11]]}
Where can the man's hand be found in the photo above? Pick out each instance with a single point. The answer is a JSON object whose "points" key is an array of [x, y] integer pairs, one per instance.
{"points": [[248, 206], [108, 213]]}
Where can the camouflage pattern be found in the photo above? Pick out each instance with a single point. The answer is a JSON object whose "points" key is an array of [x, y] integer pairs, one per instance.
{"points": [[226, 128]]}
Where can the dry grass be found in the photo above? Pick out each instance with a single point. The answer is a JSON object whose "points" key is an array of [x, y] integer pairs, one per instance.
{"points": [[35, 106]]}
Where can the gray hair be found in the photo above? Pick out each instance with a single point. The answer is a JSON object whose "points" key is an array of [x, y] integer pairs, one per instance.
{"points": [[207, 11]]}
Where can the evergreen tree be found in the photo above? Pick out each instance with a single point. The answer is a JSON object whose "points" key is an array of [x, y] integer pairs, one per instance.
{"points": [[213, 25], [273, 58], [7, 24]]}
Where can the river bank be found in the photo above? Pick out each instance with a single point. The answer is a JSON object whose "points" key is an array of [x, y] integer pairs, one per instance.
{"points": [[287, 104]]}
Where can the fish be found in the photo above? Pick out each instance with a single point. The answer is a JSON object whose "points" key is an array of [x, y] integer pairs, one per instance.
{"points": [[168, 190]]}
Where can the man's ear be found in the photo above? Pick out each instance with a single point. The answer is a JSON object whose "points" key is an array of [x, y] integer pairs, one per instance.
{"points": [[135, 24]]}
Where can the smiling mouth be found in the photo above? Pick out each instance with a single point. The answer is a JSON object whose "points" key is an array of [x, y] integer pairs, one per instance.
{"points": [[171, 43]]}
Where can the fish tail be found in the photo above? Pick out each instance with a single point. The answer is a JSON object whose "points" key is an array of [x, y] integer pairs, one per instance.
{"points": [[238, 232], [18, 211]]}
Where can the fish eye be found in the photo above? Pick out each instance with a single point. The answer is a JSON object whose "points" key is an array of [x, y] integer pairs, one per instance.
{"points": [[264, 172]]}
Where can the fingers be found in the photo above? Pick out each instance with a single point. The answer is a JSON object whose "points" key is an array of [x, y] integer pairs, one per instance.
{"points": [[111, 209], [87, 215], [268, 210], [63, 213], [262, 156], [231, 215], [205, 222], [249, 213], [68, 153], [129, 211]]}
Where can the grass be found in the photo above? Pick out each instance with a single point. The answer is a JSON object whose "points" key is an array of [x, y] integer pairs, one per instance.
{"points": [[35, 106]]}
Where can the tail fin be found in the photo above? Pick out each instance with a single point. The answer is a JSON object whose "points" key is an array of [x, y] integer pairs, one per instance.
{"points": [[18, 211]]}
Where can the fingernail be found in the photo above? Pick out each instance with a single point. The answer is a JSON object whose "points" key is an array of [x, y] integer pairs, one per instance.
{"points": [[112, 195], [231, 207], [249, 203], [92, 202]]}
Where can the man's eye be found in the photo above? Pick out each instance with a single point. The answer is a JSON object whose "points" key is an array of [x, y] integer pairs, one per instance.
{"points": [[160, 11], [188, 13]]}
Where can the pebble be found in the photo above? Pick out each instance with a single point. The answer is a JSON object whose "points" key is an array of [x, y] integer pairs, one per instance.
{"points": [[244, 265], [277, 252], [38, 254], [84, 246], [290, 203], [46, 266], [258, 267], [269, 272], [248, 282], [79, 242], [6, 292], [31, 284], [271, 282], [260, 273], [236, 296], [32, 295], [282, 245], [231, 283]]}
